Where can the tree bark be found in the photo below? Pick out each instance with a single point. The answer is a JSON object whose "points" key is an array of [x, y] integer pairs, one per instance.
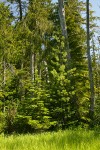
{"points": [[32, 64], [91, 110], [64, 26], [20, 9], [4, 79]]}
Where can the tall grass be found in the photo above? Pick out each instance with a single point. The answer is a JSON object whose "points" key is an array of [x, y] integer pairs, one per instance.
{"points": [[62, 140]]}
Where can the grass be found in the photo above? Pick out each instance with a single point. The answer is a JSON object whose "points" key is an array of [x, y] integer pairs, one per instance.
{"points": [[62, 140]]}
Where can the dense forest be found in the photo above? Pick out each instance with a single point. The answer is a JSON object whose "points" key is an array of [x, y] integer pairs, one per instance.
{"points": [[49, 66]]}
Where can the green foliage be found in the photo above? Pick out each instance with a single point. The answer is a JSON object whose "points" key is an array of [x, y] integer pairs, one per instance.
{"points": [[40, 89]]}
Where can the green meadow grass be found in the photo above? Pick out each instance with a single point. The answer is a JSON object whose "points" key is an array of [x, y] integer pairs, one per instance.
{"points": [[62, 140]]}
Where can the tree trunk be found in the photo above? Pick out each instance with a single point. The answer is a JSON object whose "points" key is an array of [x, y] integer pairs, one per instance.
{"points": [[63, 25], [4, 79], [20, 9], [32, 64], [91, 110]]}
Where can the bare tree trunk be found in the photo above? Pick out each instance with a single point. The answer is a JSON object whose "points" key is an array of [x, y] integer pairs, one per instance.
{"points": [[20, 9], [39, 64], [98, 71], [64, 26], [32, 64], [91, 110], [4, 78], [4, 72], [22, 61]]}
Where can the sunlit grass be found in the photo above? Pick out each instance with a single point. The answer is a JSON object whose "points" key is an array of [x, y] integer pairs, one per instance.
{"points": [[62, 140]]}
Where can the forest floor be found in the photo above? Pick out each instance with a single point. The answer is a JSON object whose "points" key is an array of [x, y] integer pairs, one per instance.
{"points": [[61, 140]]}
